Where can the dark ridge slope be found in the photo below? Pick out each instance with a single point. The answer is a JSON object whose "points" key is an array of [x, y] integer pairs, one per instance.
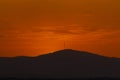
{"points": [[66, 63]]}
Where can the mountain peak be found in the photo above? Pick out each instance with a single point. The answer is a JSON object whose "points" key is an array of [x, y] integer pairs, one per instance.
{"points": [[67, 50], [73, 52]]}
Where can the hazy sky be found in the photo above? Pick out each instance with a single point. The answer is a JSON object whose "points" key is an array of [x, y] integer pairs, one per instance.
{"points": [[34, 27]]}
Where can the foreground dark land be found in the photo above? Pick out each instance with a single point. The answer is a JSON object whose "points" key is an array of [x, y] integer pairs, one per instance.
{"points": [[64, 64], [60, 78]]}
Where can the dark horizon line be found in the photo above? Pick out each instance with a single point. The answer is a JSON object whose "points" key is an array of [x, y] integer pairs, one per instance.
{"points": [[58, 51]]}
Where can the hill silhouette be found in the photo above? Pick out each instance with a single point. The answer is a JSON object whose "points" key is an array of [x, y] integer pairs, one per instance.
{"points": [[66, 63]]}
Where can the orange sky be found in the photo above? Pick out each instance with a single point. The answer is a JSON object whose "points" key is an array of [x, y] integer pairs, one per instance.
{"points": [[34, 27]]}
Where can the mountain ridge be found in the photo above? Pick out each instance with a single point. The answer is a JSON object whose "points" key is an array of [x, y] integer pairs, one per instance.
{"points": [[61, 52], [65, 63]]}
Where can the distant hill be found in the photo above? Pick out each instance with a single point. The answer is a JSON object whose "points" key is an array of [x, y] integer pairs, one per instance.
{"points": [[66, 63]]}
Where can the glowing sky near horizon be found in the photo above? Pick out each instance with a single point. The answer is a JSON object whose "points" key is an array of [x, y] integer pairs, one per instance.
{"points": [[35, 27]]}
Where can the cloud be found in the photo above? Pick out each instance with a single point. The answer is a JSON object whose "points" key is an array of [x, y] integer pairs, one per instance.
{"points": [[100, 35], [70, 29], [74, 31]]}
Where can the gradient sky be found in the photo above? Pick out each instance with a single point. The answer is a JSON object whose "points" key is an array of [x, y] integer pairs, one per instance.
{"points": [[34, 27]]}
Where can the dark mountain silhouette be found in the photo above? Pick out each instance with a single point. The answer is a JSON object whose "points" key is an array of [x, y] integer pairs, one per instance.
{"points": [[61, 64]]}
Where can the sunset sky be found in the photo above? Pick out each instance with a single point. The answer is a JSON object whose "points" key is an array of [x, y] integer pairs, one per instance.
{"points": [[35, 27]]}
